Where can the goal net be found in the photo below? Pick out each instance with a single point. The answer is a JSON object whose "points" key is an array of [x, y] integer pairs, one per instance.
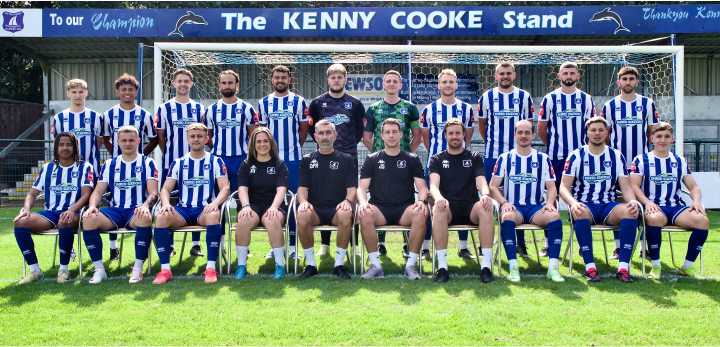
{"points": [[537, 67]]}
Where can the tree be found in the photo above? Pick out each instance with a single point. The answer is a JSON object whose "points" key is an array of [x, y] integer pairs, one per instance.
{"points": [[20, 77]]}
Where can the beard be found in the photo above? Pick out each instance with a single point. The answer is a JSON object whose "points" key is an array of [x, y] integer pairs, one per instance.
{"points": [[628, 89], [505, 83], [227, 92], [337, 90], [569, 84], [442, 91], [282, 89], [325, 145]]}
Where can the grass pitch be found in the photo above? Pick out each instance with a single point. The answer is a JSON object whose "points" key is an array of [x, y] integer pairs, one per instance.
{"points": [[328, 311]]}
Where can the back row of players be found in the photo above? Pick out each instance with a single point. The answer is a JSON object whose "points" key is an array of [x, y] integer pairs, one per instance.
{"points": [[566, 123]]}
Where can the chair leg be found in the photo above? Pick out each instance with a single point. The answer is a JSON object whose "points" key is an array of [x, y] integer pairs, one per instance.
{"points": [[354, 244], [432, 253], [55, 249], [701, 264], [362, 259], [607, 259], [638, 236], [79, 253], [122, 243], [24, 268], [297, 247], [150, 256], [477, 256], [672, 251], [498, 253], [182, 248], [570, 246], [537, 251]]}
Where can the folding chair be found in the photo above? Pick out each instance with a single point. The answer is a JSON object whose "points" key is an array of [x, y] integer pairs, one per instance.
{"points": [[56, 233], [259, 227]]}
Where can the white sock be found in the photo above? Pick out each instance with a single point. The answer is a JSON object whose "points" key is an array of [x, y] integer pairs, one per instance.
{"points": [[113, 244], [426, 244], [139, 263], [617, 243], [546, 244], [165, 267], [589, 266], [442, 258], [340, 256], [279, 254], [412, 259], [512, 262], [463, 244], [196, 243], [99, 264], [292, 249], [210, 265], [64, 267], [655, 262], [381, 243], [554, 262], [242, 252], [375, 259], [623, 265], [310, 256], [688, 264], [487, 258], [35, 268]]}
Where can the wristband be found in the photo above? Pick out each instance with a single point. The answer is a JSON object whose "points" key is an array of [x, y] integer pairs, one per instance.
{"points": [[423, 201], [244, 205], [349, 202]]}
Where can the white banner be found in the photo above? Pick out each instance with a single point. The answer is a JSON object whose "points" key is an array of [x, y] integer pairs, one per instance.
{"points": [[21, 22]]}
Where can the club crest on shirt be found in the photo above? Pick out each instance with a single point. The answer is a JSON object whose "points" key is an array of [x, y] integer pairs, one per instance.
{"points": [[674, 165], [324, 104], [535, 165], [403, 111], [196, 181], [206, 166], [128, 183], [290, 103], [629, 122], [138, 117], [348, 105], [523, 178], [139, 169], [334, 165], [598, 177], [314, 164], [339, 119], [64, 188], [665, 178], [578, 101], [381, 164], [467, 163], [229, 123], [516, 100], [75, 174], [271, 170], [238, 111], [607, 163], [639, 108], [253, 169], [87, 120], [445, 164], [193, 111], [401, 164], [458, 113]]}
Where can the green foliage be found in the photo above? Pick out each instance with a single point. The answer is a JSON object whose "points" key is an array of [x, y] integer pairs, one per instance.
{"points": [[20, 77]]}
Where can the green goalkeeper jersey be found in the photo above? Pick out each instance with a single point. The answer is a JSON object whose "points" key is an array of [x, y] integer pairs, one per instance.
{"points": [[404, 111]]}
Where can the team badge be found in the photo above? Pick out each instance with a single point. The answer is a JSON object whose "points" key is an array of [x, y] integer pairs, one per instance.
{"points": [[381, 164], [467, 163], [652, 164], [252, 169], [458, 113], [193, 110], [206, 166], [138, 118], [348, 105], [290, 103], [607, 163], [87, 120], [578, 101], [639, 108], [401, 164], [674, 164], [380, 110], [516, 100], [324, 104], [271, 170], [403, 111], [445, 164], [535, 165], [75, 174], [314, 164], [139, 169], [334, 165], [238, 111]]}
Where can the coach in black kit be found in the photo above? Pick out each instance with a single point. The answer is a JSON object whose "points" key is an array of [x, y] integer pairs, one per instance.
{"points": [[456, 177], [392, 175], [326, 190], [347, 113]]}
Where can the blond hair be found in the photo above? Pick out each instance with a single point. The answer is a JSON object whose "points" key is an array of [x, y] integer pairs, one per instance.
{"points": [[197, 126], [662, 126], [336, 68], [450, 72], [128, 129], [392, 72], [453, 121], [76, 83], [252, 151]]}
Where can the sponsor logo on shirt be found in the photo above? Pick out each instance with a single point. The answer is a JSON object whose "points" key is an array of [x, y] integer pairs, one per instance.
{"points": [[401, 164], [634, 167], [271, 170], [523, 178], [314, 164], [128, 183], [542, 111], [64, 188], [229, 123], [253, 169], [381, 164], [184, 122], [665, 178], [629, 122], [445, 164], [280, 115], [81, 132], [224, 168], [339, 119], [334, 165], [90, 176], [506, 113], [569, 114], [495, 168], [467, 163], [567, 165], [196, 182], [155, 173], [598, 177], [52, 130]]}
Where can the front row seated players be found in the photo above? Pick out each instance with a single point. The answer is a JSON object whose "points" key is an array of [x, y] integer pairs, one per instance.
{"points": [[132, 179], [391, 176], [526, 173], [656, 178], [326, 192], [591, 175], [203, 186], [456, 177], [263, 182], [67, 183]]}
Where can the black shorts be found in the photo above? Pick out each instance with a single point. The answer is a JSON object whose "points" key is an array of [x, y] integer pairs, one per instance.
{"points": [[392, 213], [326, 214], [461, 214], [260, 209]]}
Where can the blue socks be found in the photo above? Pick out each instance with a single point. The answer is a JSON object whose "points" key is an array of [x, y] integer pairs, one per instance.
{"points": [[555, 235], [520, 237], [162, 244], [291, 224], [66, 239], [112, 237], [143, 236], [196, 236], [213, 237], [26, 244], [695, 244], [93, 243], [463, 235], [428, 228], [584, 239], [628, 228], [616, 234], [507, 235], [654, 240]]}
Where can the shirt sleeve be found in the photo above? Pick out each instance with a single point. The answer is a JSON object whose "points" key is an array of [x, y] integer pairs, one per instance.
{"points": [[314, 114], [478, 165], [413, 116], [469, 117], [281, 174], [243, 174], [433, 165], [174, 171], [150, 131], [151, 169], [304, 173], [55, 128], [424, 122], [499, 169], [529, 108], [483, 107], [40, 180], [106, 125], [98, 125], [104, 174], [219, 170], [653, 117], [303, 110], [253, 118], [87, 175], [545, 110], [160, 118], [621, 171], [590, 112], [359, 120], [685, 169], [571, 165], [351, 178], [208, 118], [368, 166], [549, 174], [417, 168], [637, 166], [369, 124], [607, 113]]}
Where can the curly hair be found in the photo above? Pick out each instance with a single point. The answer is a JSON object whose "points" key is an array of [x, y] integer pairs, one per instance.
{"points": [[76, 150]]}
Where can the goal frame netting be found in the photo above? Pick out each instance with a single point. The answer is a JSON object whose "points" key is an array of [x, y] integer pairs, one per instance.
{"points": [[677, 73]]}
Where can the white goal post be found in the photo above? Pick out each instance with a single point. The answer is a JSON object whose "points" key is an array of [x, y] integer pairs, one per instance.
{"points": [[662, 67]]}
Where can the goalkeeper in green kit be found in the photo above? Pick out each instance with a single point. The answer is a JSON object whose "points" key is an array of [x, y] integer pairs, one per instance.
{"points": [[392, 107]]}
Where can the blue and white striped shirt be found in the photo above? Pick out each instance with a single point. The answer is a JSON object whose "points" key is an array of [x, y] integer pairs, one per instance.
{"points": [[596, 176], [127, 181], [662, 177], [629, 122], [173, 117], [196, 179], [566, 115], [229, 124], [435, 115], [283, 116], [61, 185], [503, 111], [87, 126], [116, 117], [524, 177]]}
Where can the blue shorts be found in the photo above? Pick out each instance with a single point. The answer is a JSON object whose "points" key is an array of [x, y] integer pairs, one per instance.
{"points": [[190, 214], [600, 212], [671, 213], [119, 216], [528, 212], [232, 164], [558, 166], [53, 216]]}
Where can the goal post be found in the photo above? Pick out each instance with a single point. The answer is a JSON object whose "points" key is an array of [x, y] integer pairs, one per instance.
{"points": [[661, 69]]}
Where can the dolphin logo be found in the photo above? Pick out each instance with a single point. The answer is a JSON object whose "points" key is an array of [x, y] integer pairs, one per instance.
{"points": [[191, 18], [606, 14]]}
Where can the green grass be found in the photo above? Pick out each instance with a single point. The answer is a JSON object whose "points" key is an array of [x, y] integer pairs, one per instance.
{"points": [[329, 311]]}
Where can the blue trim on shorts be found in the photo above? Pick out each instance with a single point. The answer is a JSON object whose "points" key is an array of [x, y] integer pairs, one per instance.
{"points": [[528, 212], [190, 214], [119, 216], [53, 216], [600, 212], [671, 213], [232, 164]]}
